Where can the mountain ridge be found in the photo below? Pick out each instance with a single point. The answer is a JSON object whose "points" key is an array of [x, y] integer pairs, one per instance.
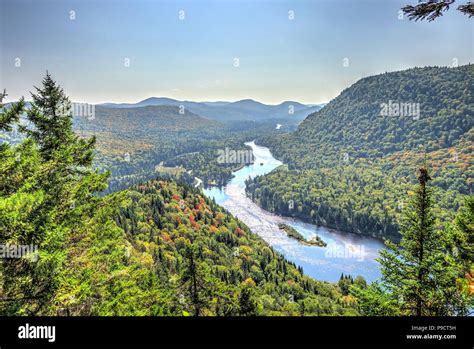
{"points": [[350, 164], [245, 109]]}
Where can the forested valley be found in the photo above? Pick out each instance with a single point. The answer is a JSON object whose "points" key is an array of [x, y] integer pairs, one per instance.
{"points": [[351, 168], [160, 247], [140, 143], [156, 248]]}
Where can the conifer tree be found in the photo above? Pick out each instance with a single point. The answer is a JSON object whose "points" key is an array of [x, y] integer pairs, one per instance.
{"points": [[192, 280], [51, 117], [408, 266], [247, 304], [48, 194], [419, 277]]}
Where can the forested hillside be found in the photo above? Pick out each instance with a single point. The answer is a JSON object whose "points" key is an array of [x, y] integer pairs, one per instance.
{"points": [[140, 143], [145, 119], [350, 164], [206, 262]]}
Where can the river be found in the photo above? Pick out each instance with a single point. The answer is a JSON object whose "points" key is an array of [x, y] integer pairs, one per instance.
{"points": [[345, 253]]}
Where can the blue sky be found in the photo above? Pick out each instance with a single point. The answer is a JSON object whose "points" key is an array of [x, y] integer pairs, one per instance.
{"points": [[279, 58]]}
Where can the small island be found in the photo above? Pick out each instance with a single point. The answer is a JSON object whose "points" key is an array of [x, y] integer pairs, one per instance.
{"points": [[293, 233]]}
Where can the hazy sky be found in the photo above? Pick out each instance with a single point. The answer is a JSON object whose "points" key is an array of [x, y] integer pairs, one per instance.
{"points": [[194, 58]]}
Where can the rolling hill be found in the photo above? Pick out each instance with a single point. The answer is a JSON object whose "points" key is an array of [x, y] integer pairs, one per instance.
{"points": [[163, 118], [352, 163], [352, 122]]}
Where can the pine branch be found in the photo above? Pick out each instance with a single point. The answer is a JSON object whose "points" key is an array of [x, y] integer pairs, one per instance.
{"points": [[11, 116], [467, 9], [428, 9]]}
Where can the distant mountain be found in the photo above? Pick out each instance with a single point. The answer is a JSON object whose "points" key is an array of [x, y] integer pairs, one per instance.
{"points": [[152, 101], [249, 105], [218, 103], [143, 119], [247, 109], [157, 101]]}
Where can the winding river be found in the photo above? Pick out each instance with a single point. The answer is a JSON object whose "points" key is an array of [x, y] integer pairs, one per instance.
{"points": [[345, 253]]}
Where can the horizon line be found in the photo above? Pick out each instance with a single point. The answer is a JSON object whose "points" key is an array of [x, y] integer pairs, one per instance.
{"points": [[186, 100]]}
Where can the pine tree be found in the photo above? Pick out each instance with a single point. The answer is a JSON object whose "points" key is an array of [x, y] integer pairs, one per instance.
{"points": [[192, 281], [419, 276], [246, 303], [407, 269], [10, 116], [47, 197], [51, 116]]}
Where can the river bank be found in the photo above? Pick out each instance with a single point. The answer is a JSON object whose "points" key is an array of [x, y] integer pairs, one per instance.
{"points": [[345, 253]]}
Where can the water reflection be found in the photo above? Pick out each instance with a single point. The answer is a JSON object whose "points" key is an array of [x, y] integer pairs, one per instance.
{"points": [[344, 253]]}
